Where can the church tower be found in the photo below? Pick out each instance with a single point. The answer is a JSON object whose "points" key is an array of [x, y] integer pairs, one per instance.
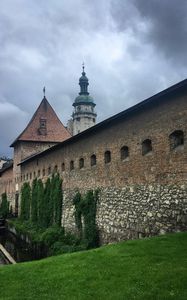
{"points": [[84, 115]]}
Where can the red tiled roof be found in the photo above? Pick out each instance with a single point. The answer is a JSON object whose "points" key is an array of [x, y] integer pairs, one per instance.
{"points": [[55, 130]]}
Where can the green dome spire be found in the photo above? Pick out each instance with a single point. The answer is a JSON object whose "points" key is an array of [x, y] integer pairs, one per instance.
{"points": [[83, 95]]}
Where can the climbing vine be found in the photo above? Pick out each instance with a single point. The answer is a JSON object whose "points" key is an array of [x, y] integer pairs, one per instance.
{"points": [[85, 206], [78, 212]]}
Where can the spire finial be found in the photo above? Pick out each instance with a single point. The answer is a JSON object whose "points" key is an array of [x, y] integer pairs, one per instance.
{"points": [[83, 67], [44, 91]]}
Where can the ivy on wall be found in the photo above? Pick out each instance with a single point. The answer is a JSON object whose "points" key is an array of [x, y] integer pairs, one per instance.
{"points": [[85, 208], [78, 212]]}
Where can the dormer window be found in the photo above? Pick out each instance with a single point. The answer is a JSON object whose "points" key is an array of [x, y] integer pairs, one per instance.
{"points": [[42, 123], [42, 127]]}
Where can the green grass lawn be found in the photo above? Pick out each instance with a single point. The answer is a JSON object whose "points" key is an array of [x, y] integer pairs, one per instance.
{"points": [[154, 268]]}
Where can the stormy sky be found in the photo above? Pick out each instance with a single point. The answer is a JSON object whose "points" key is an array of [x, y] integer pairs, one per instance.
{"points": [[131, 49]]}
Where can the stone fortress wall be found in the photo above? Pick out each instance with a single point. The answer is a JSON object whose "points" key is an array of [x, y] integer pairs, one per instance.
{"points": [[139, 163]]}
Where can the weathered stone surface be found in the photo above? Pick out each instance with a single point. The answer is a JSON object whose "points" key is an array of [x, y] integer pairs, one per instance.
{"points": [[122, 214]]}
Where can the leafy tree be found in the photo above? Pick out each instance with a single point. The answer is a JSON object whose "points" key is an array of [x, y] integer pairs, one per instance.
{"points": [[4, 207]]}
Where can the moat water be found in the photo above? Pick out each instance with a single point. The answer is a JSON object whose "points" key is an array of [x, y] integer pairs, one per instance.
{"points": [[18, 249]]}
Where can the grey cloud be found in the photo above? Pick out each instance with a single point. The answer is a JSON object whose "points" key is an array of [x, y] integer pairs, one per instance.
{"points": [[168, 29], [160, 23], [122, 43]]}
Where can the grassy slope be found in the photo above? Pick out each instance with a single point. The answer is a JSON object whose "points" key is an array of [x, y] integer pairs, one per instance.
{"points": [[153, 268]]}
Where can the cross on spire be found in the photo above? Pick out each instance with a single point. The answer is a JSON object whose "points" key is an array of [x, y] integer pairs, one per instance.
{"points": [[44, 91]]}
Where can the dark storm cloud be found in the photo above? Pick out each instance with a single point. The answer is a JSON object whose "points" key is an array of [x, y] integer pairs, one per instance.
{"points": [[160, 23], [132, 49]]}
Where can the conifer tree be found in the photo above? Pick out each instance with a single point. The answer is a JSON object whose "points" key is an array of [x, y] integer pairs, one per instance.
{"points": [[25, 201], [52, 200], [47, 203], [34, 201], [41, 206], [4, 207], [58, 200]]}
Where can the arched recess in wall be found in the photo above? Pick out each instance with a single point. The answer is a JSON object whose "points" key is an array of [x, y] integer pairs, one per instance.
{"points": [[124, 152], [146, 146], [55, 169], [81, 163], [93, 160], [176, 139], [49, 170], [107, 157], [71, 165], [63, 167]]}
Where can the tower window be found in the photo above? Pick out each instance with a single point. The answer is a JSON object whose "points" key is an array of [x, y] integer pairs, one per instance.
{"points": [[81, 163], [93, 160], [176, 139], [146, 147], [107, 157], [94, 120], [42, 130], [38, 173], [124, 152], [42, 123], [71, 165], [55, 169]]}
